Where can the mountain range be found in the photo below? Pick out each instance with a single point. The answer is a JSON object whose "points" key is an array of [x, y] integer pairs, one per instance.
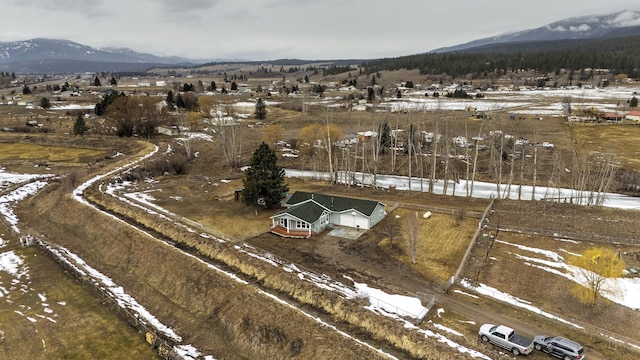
{"points": [[63, 56], [620, 24]]}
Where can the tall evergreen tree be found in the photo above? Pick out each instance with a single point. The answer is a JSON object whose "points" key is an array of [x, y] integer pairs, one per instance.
{"points": [[633, 102], [96, 81], [114, 82], [371, 94], [80, 127], [261, 109], [264, 182], [101, 106], [171, 102], [45, 103], [179, 101]]}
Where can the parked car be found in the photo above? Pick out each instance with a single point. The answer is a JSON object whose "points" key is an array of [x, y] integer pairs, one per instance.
{"points": [[506, 338], [559, 347]]}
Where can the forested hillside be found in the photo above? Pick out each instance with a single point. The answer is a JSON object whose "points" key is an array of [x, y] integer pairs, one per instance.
{"points": [[620, 56]]}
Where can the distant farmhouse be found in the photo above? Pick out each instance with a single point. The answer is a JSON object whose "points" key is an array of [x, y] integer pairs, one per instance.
{"points": [[308, 214], [633, 115]]}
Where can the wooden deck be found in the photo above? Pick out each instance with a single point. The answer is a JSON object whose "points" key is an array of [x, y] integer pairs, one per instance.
{"points": [[299, 234]]}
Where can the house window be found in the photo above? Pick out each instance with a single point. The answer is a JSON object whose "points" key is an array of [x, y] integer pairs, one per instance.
{"points": [[302, 225]]}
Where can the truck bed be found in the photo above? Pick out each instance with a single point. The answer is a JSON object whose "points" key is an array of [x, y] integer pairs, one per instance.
{"points": [[520, 340]]}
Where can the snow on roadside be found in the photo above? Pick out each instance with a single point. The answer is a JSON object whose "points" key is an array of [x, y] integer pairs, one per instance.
{"points": [[390, 305], [628, 294], [77, 192], [15, 196], [9, 178]]}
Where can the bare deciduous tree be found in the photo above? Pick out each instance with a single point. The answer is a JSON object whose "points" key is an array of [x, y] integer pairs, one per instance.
{"points": [[228, 133], [135, 115], [391, 228], [413, 230]]}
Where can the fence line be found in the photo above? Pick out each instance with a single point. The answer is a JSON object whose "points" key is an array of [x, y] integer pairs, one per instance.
{"points": [[441, 210], [162, 344], [593, 329], [455, 276]]}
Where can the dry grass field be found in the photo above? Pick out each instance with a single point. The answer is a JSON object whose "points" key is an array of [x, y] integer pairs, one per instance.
{"points": [[45, 314], [442, 242], [30, 153], [619, 140]]}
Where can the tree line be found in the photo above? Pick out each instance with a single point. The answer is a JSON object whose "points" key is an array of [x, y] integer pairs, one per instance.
{"points": [[620, 55]]}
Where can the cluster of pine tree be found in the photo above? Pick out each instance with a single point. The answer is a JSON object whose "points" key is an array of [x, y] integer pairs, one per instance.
{"points": [[620, 56]]}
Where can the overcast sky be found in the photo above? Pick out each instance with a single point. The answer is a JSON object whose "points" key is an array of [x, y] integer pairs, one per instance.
{"points": [[274, 29]]}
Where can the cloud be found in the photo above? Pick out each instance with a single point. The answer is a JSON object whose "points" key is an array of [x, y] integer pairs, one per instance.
{"points": [[185, 10], [90, 8], [626, 18]]}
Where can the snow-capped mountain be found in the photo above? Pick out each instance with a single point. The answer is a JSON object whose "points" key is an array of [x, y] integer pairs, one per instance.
{"points": [[623, 23], [50, 55]]}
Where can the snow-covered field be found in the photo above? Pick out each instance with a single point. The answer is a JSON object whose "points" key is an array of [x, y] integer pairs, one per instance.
{"points": [[539, 102], [534, 101]]}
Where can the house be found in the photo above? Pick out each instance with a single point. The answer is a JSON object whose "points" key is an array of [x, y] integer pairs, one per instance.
{"points": [[308, 214], [347, 141], [168, 130], [633, 116], [70, 93], [366, 136], [613, 116], [460, 141]]}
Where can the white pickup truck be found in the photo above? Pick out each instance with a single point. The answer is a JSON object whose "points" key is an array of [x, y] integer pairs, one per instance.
{"points": [[507, 338]]}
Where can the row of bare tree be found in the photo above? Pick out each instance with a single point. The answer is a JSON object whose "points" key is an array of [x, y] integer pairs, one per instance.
{"points": [[506, 153]]}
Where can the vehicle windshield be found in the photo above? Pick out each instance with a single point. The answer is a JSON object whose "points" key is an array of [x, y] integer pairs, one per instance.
{"points": [[548, 339]]}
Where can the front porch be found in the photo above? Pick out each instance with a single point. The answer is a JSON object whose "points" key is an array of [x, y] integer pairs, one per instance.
{"points": [[284, 232]]}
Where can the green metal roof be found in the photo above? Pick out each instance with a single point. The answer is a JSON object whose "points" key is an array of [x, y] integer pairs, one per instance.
{"points": [[333, 203], [309, 212]]}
